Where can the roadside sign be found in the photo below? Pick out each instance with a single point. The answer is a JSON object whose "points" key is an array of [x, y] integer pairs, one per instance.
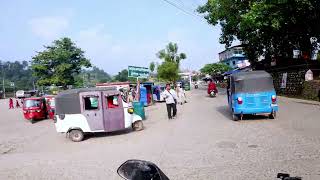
{"points": [[12, 84], [138, 72], [284, 80]]}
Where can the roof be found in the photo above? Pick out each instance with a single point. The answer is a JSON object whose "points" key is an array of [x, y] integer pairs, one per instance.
{"points": [[230, 48], [113, 83], [33, 98], [77, 91], [251, 75]]}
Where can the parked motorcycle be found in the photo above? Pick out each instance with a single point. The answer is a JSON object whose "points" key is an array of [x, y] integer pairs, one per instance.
{"points": [[145, 170]]}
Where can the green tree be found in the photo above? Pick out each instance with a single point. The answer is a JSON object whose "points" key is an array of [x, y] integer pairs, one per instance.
{"points": [[17, 72], [215, 69], [122, 76], [169, 69], [170, 54], [89, 77], [152, 67], [59, 63], [269, 28]]}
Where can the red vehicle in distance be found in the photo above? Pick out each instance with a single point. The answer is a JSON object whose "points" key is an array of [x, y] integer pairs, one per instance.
{"points": [[34, 109]]}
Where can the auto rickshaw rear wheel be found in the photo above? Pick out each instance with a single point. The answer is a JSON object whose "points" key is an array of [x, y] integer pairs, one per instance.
{"points": [[273, 115], [235, 117], [76, 135], [137, 126]]}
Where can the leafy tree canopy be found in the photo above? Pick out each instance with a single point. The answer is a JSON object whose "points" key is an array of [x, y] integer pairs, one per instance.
{"points": [[152, 66], [18, 73], [59, 63], [215, 69], [266, 27], [170, 54], [168, 71], [89, 77], [122, 76]]}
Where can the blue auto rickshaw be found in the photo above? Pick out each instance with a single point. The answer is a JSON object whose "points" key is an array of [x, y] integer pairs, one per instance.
{"points": [[251, 93]]}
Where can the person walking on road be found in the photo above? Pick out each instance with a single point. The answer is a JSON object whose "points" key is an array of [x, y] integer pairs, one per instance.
{"points": [[181, 95], [171, 101], [11, 103], [17, 104]]}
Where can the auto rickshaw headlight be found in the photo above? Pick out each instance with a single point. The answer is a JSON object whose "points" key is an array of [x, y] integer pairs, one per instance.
{"points": [[130, 110]]}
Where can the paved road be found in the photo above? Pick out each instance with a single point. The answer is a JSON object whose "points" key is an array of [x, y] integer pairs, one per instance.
{"points": [[202, 143]]}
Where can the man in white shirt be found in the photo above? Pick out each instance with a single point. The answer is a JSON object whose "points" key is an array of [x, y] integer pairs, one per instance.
{"points": [[171, 101]]}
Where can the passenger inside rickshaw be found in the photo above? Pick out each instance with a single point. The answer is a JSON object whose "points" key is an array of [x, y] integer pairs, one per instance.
{"points": [[112, 102], [91, 103]]}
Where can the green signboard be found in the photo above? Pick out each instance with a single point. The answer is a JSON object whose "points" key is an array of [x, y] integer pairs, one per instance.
{"points": [[138, 72]]}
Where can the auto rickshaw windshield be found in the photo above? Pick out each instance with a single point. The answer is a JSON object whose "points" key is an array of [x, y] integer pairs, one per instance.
{"points": [[254, 85], [51, 103], [32, 103]]}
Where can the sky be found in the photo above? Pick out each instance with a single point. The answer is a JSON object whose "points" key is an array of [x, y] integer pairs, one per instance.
{"points": [[113, 34]]}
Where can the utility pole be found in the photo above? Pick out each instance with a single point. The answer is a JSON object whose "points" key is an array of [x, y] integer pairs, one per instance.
{"points": [[3, 88]]}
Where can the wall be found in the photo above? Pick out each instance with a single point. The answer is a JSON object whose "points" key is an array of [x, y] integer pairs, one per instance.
{"points": [[311, 90], [295, 79]]}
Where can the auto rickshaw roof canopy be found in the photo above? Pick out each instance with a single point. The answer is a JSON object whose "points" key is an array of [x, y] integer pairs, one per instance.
{"points": [[68, 102], [252, 81]]}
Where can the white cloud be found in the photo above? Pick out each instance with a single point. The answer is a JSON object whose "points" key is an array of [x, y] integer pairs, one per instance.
{"points": [[49, 27]]}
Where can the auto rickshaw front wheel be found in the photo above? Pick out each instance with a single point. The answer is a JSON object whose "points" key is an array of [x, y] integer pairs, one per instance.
{"points": [[137, 126], [76, 135]]}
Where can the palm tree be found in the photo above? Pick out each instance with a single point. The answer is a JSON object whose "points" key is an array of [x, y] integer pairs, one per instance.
{"points": [[170, 54]]}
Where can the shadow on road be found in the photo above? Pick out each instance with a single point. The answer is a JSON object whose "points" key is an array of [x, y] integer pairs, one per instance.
{"points": [[225, 111], [105, 134]]}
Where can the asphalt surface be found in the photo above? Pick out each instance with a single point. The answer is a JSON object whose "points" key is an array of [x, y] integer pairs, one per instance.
{"points": [[202, 143]]}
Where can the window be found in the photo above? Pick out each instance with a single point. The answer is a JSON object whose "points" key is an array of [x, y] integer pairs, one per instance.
{"points": [[234, 62], [228, 64], [112, 101], [91, 103], [32, 103]]}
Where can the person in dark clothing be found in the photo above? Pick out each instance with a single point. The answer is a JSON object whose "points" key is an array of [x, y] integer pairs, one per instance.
{"points": [[171, 101], [17, 104], [11, 103]]}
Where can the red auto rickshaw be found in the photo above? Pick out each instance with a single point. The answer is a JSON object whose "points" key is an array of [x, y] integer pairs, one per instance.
{"points": [[50, 104], [34, 109]]}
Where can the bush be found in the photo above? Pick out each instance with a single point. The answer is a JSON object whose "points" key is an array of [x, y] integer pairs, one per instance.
{"points": [[311, 90]]}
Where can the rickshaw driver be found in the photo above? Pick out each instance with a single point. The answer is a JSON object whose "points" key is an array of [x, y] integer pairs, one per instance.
{"points": [[212, 87]]}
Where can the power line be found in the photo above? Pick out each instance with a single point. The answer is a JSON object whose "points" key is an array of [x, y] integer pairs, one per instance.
{"points": [[182, 9]]}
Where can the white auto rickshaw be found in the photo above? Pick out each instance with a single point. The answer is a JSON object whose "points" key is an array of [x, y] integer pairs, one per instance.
{"points": [[90, 110]]}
